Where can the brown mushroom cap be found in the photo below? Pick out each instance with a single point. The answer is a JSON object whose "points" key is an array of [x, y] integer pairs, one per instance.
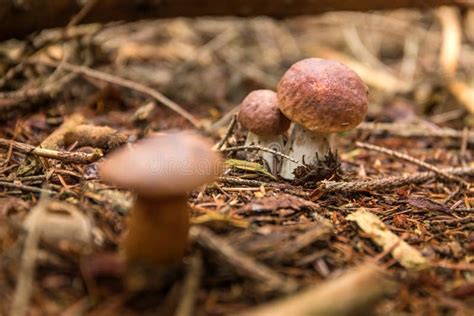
{"points": [[324, 96], [259, 113], [165, 165]]}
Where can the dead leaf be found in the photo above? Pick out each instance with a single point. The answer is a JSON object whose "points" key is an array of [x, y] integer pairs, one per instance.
{"points": [[405, 254], [427, 204]]}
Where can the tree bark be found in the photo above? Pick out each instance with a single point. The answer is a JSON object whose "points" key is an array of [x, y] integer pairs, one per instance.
{"points": [[20, 18]]}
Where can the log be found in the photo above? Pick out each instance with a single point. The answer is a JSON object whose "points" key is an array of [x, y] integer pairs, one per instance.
{"points": [[20, 18]]}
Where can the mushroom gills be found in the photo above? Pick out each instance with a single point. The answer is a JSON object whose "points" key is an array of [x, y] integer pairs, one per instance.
{"points": [[303, 145], [275, 142]]}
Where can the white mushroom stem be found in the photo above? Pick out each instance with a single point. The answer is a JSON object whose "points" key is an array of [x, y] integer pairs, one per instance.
{"points": [[303, 145], [274, 142]]}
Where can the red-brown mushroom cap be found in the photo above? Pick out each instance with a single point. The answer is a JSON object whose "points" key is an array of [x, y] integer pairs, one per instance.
{"points": [[324, 96], [259, 113], [164, 165]]}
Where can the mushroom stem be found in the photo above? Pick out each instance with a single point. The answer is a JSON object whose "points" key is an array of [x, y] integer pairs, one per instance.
{"points": [[157, 231], [303, 145], [274, 142]]}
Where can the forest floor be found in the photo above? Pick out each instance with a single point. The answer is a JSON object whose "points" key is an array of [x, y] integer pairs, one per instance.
{"points": [[398, 194]]}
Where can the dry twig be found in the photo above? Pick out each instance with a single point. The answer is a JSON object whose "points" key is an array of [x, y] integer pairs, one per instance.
{"points": [[256, 147], [96, 74], [412, 130], [23, 187], [11, 73], [243, 263], [227, 134], [79, 16], [238, 181], [64, 156], [190, 287], [26, 273]]}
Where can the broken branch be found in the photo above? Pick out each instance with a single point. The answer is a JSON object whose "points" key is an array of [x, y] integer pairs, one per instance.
{"points": [[240, 261], [64, 156], [99, 75]]}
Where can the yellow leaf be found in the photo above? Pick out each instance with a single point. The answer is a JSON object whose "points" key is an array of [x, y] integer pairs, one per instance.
{"points": [[380, 234], [248, 166]]}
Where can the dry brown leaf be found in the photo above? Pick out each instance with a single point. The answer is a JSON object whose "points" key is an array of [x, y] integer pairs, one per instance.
{"points": [[405, 254]]}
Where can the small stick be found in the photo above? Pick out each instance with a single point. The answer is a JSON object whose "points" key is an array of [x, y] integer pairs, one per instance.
{"points": [[460, 189], [256, 147], [219, 41], [43, 91], [100, 75], [26, 273], [238, 181], [11, 73], [190, 287], [411, 130], [25, 93], [227, 134], [64, 156], [85, 10], [463, 149], [224, 120], [33, 178], [246, 265], [413, 160], [465, 220], [26, 188], [469, 210], [239, 189]]}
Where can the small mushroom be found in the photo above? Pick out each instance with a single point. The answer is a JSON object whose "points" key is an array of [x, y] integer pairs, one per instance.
{"points": [[259, 113], [161, 170], [321, 97]]}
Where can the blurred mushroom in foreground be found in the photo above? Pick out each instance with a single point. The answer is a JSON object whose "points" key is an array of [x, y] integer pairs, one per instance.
{"points": [[259, 113], [321, 97], [161, 170]]}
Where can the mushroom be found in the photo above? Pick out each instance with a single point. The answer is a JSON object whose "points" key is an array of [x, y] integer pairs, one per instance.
{"points": [[321, 97], [161, 170], [260, 115]]}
